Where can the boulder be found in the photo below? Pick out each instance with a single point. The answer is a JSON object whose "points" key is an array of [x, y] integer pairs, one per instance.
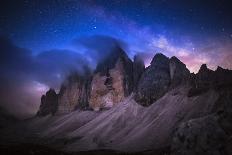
{"points": [[112, 80], [49, 103], [199, 136]]}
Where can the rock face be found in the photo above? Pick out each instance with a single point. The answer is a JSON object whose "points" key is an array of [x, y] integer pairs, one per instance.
{"points": [[162, 75], [74, 92], [199, 136], [138, 69], [112, 81], [210, 134], [49, 103], [223, 76], [224, 109], [155, 81], [178, 72], [116, 76], [206, 79]]}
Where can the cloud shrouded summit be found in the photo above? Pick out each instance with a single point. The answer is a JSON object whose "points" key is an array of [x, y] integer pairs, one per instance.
{"points": [[26, 76]]}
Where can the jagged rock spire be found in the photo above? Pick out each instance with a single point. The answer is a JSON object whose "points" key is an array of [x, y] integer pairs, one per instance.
{"points": [[154, 81], [162, 75], [49, 103], [112, 80], [138, 69]]}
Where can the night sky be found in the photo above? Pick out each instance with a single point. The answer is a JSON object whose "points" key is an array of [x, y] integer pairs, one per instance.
{"points": [[43, 41]]}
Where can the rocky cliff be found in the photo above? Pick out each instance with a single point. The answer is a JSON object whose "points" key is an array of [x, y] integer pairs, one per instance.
{"points": [[207, 79], [179, 74], [116, 77], [49, 103], [155, 80], [208, 134], [138, 69], [112, 81], [162, 75], [75, 92]]}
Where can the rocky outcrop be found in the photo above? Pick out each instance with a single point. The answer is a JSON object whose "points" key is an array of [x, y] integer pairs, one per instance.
{"points": [[224, 110], [223, 107], [74, 92], [223, 77], [210, 134], [207, 79], [49, 103], [138, 69], [112, 81], [199, 136], [204, 78], [162, 75], [155, 81]]}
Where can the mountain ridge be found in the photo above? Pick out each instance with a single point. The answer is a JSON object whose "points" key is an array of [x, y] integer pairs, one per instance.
{"points": [[167, 107], [148, 84]]}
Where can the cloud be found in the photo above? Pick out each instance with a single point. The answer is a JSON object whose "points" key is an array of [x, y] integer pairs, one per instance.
{"points": [[24, 77], [54, 65], [97, 47]]}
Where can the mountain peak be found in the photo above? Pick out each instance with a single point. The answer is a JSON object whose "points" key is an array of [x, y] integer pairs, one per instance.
{"points": [[155, 81], [51, 91], [203, 68], [159, 58], [112, 81], [109, 61], [49, 103], [175, 59], [138, 69]]}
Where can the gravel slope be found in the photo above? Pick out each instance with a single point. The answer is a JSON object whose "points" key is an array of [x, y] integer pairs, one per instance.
{"points": [[126, 127]]}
